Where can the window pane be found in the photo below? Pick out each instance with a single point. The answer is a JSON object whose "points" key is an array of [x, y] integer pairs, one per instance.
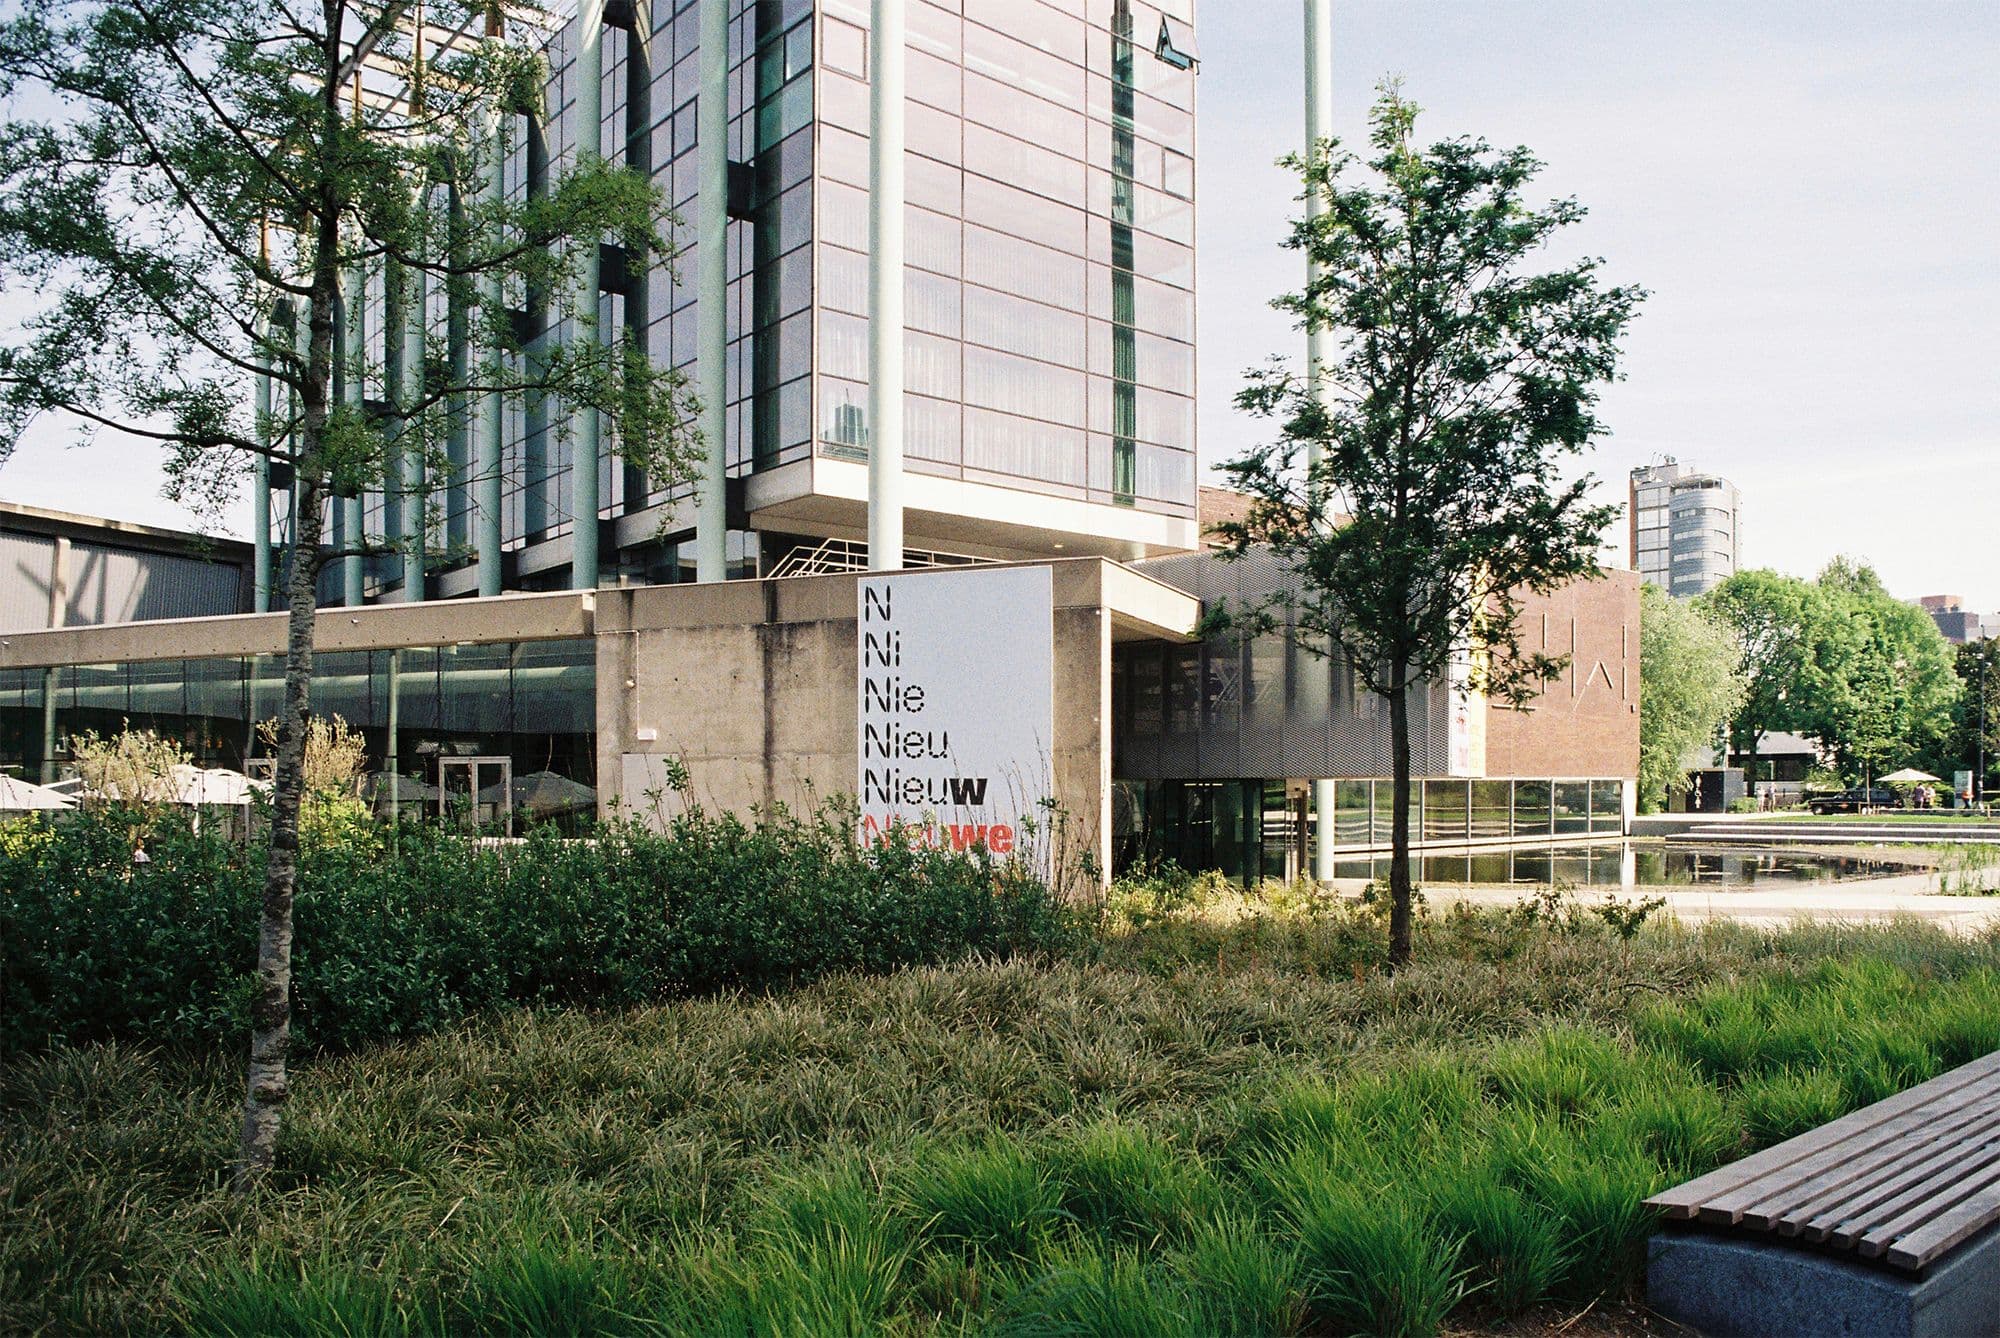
{"points": [[1352, 825], [1490, 804], [1444, 810], [1572, 807]]}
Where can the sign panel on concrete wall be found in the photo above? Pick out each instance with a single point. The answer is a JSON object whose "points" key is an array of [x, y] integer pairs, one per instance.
{"points": [[957, 693]]}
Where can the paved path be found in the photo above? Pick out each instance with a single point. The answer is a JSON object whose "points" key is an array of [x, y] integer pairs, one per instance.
{"points": [[1859, 899]]}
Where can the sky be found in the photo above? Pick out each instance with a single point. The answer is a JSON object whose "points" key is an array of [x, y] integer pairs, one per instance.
{"points": [[1809, 191]]}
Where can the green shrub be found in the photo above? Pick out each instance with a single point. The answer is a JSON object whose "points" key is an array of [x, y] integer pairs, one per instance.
{"points": [[1127, 1184], [1513, 1249], [988, 1201], [1777, 1106], [257, 1298], [1083, 1290], [400, 941], [1371, 1264], [1239, 1280]]}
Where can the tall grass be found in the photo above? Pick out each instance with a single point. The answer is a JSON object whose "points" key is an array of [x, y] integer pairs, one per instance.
{"points": [[1242, 1146]]}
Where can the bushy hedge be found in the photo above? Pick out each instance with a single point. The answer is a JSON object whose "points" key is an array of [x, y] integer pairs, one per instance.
{"points": [[395, 937]]}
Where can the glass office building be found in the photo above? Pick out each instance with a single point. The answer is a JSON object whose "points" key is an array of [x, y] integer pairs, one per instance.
{"points": [[1049, 280], [1686, 528]]}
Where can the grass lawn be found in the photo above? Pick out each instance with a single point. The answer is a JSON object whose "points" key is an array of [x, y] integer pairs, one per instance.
{"points": [[1224, 1119]]}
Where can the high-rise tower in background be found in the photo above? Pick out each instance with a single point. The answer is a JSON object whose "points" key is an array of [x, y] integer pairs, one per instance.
{"points": [[1049, 349], [1685, 526]]}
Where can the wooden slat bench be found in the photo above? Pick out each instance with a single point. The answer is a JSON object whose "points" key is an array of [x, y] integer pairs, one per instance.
{"points": [[1895, 1207]]}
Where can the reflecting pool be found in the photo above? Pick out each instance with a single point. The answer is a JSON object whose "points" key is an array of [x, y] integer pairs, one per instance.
{"points": [[1634, 864]]}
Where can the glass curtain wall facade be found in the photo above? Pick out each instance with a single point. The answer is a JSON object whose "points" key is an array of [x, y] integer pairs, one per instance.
{"points": [[532, 702], [1263, 828], [1050, 235], [1049, 276]]}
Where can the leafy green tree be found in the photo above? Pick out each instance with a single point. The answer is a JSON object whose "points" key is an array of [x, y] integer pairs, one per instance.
{"points": [[1788, 632], [189, 189], [1691, 684], [1415, 488], [1889, 698], [1975, 736]]}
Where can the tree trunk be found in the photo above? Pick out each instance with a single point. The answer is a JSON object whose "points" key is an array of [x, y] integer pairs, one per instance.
{"points": [[1400, 892], [1750, 765], [271, 1007]]}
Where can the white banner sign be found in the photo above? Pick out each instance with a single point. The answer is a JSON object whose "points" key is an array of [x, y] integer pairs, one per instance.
{"points": [[957, 693]]}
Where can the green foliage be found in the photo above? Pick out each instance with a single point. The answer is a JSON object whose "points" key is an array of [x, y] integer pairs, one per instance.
{"points": [[401, 941], [1085, 1290], [1513, 1250], [1417, 490], [1690, 685], [1031, 1146], [1241, 1280], [1842, 661], [326, 1301], [1125, 1184], [1370, 1262], [990, 1201], [1976, 715]]}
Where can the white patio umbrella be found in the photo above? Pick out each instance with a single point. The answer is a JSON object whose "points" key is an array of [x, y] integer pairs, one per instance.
{"points": [[1908, 776], [19, 796], [216, 785]]}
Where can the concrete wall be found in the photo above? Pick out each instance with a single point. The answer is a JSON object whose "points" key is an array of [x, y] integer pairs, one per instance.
{"points": [[1585, 723], [540, 617], [752, 685]]}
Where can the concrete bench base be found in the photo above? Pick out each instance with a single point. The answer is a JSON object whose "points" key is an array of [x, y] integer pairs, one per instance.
{"points": [[1725, 1286]]}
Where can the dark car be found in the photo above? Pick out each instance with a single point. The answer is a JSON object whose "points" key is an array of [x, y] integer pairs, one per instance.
{"points": [[1854, 800]]}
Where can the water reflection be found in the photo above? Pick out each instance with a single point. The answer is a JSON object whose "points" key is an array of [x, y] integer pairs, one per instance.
{"points": [[1626, 864]]}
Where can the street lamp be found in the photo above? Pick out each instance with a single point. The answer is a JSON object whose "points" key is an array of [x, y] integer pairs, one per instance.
{"points": [[1979, 775]]}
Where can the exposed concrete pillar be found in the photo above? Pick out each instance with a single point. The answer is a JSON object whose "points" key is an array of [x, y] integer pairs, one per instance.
{"points": [[587, 448], [885, 287], [1319, 127], [354, 357], [50, 681], [487, 418], [260, 487], [711, 263]]}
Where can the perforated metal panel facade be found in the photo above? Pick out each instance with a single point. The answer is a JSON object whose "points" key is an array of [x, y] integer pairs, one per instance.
{"points": [[25, 563], [1228, 708], [104, 571]]}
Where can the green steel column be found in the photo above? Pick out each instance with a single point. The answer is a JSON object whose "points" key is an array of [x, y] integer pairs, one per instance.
{"points": [[354, 353], [391, 761], [1319, 128], [487, 420], [589, 72], [260, 489], [711, 266], [885, 285], [412, 450]]}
